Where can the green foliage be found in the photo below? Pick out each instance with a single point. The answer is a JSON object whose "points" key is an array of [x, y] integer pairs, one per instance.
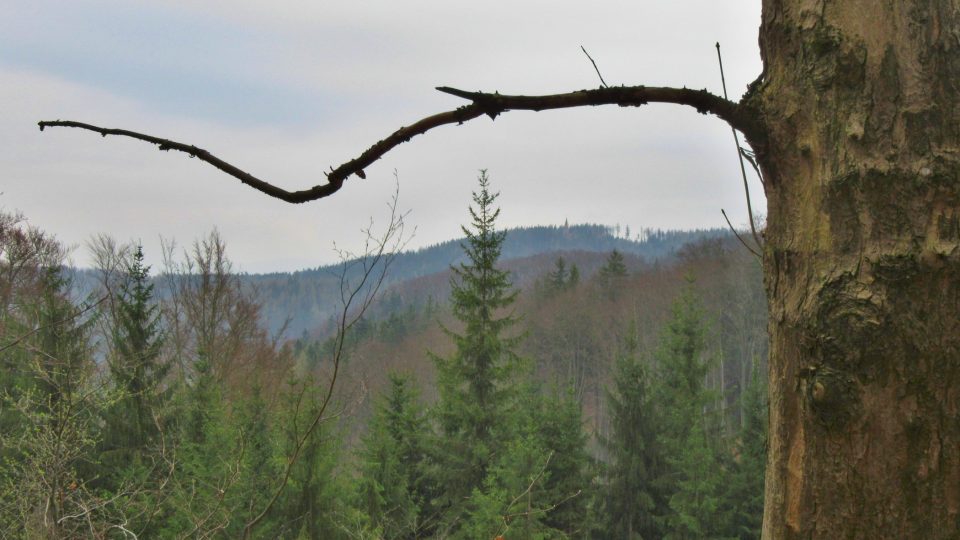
{"points": [[743, 496], [201, 451], [558, 279], [137, 372], [316, 501], [693, 478], [508, 458], [561, 278], [612, 273], [393, 487], [633, 499], [50, 418], [574, 278], [476, 384], [697, 482]]}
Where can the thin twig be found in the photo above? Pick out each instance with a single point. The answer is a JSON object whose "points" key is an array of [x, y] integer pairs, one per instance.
{"points": [[722, 211], [382, 251], [753, 163], [506, 518], [743, 170], [603, 82]]}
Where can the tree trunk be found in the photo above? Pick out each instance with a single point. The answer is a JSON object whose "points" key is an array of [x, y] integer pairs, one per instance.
{"points": [[862, 266]]}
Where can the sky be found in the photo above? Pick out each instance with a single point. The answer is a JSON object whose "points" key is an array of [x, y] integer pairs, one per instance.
{"points": [[286, 89]]}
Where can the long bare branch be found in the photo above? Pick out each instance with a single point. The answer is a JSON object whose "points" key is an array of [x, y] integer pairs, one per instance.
{"points": [[740, 156], [482, 103], [378, 257]]}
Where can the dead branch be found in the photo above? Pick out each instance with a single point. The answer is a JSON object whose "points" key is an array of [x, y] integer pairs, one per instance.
{"points": [[379, 254], [740, 154], [603, 83], [740, 238], [490, 104]]}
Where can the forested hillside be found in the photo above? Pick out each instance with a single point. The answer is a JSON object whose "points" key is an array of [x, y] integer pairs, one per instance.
{"points": [[308, 298], [586, 386]]}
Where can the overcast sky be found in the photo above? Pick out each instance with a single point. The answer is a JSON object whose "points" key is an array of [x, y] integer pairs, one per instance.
{"points": [[287, 89]]}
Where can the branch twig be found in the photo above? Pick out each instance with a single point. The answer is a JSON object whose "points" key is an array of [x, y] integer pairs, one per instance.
{"points": [[481, 103], [743, 170], [740, 238], [376, 260], [602, 82]]}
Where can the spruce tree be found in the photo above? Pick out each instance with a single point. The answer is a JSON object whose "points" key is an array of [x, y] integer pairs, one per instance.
{"points": [[612, 273], [743, 496], [632, 498], [137, 369], [475, 382], [693, 477], [567, 475], [560, 277], [574, 278], [393, 488]]}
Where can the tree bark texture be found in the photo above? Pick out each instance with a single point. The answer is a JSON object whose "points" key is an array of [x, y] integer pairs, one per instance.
{"points": [[861, 159]]}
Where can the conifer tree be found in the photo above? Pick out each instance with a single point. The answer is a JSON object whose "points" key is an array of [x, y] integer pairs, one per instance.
{"points": [[743, 497], [632, 498], [567, 475], [393, 487], [137, 369], [612, 272], [53, 428], [258, 465], [560, 277], [692, 481], [475, 382], [574, 278], [315, 503]]}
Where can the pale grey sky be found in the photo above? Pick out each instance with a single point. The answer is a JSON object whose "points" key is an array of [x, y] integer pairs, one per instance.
{"points": [[286, 89]]}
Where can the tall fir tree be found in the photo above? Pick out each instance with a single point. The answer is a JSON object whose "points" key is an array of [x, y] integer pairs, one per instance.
{"points": [[567, 486], [475, 383], [393, 487], [632, 499], [693, 478], [137, 368], [743, 496]]}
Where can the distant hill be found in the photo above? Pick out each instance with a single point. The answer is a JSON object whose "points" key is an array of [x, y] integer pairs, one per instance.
{"points": [[310, 297]]}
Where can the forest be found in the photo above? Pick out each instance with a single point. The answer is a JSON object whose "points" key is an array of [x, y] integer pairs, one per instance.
{"points": [[162, 401], [612, 395]]}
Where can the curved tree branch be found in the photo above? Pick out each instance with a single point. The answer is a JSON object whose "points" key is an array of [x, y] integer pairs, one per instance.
{"points": [[481, 103]]}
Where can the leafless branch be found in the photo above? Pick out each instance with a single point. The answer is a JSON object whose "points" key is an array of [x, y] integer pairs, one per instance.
{"points": [[376, 260], [740, 238], [490, 104], [602, 82], [531, 511], [743, 170], [533, 481]]}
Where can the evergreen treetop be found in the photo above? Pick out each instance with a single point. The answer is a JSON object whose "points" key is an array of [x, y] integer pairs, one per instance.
{"points": [[476, 383], [135, 362]]}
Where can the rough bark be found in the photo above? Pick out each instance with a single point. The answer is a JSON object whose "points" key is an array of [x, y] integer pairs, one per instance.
{"points": [[862, 266]]}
